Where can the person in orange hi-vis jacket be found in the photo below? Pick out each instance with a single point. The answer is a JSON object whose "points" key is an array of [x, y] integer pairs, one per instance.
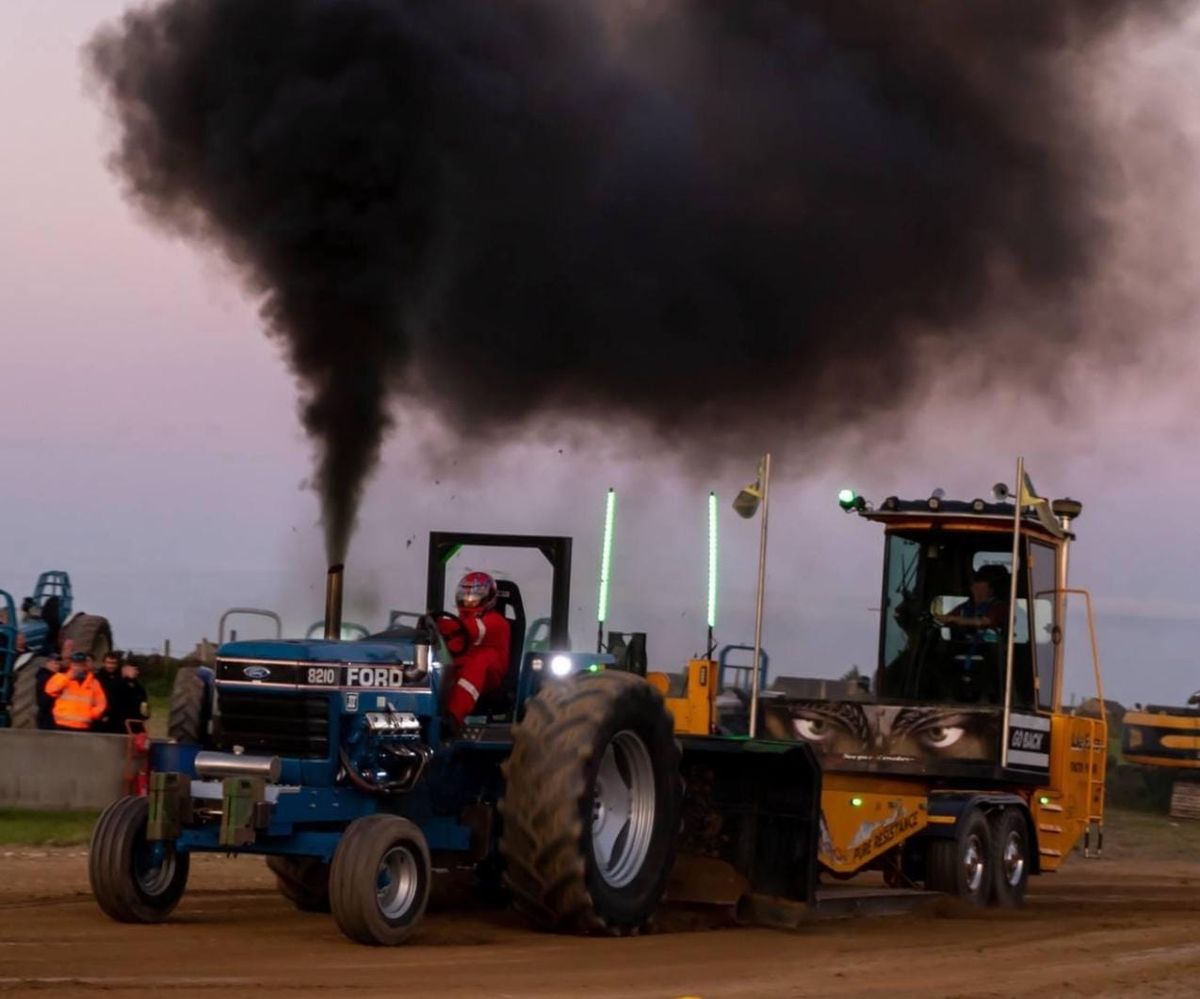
{"points": [[78, 697], [482, 665]]}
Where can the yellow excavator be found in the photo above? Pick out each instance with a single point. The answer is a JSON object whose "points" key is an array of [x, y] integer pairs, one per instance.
{"points": [[1167, 740]]}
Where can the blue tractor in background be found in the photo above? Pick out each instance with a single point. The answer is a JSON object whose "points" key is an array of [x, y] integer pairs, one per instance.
{"points": [[566, 788], [28, 633]]}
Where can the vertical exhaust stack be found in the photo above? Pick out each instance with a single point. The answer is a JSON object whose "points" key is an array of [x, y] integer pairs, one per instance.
{"points": [[333, 601]]}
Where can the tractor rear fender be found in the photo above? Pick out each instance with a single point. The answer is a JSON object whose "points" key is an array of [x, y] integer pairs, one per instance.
{"points": [[955, 804], [755, 806]]}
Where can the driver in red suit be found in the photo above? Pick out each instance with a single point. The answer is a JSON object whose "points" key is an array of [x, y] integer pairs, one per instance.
{"points": [[481, 666]]}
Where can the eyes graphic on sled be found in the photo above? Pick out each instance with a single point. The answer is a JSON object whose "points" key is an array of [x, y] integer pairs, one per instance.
{"points": [[916, 732]]}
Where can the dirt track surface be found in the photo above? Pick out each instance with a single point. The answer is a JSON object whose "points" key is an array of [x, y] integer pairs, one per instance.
{"points": [[1100, 928]]}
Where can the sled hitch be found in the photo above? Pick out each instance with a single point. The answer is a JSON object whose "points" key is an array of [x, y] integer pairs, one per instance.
{"points": [[751, 822]]}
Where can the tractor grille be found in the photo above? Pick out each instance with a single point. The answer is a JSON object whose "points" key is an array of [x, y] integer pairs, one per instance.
{"points": [[284, 725]]}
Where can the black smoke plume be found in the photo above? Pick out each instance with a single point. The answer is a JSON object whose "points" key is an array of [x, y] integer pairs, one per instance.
{"points": [[717, 222]]}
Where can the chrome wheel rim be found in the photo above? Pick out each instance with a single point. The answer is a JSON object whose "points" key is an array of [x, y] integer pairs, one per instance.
{"points": [[1014, 860], [396, 882], [973, 865], [623, 809]]}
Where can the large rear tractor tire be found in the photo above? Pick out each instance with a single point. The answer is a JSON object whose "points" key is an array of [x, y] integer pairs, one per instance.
{"points": [[303, 881], [23, 711], [90, 633], [962, 866], [591, 805], [1011, 858], [134, 880], [380, 880], [191, 707]]}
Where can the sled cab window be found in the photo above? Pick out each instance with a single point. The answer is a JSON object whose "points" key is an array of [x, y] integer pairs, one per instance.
{"points": [[1043, 575], [945, 620]]}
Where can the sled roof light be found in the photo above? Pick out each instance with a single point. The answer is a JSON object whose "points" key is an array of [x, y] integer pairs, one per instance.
{"points": [[850, 501]]}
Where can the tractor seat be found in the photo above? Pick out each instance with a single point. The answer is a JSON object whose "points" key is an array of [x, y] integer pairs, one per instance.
{"points": [[502, 700]]}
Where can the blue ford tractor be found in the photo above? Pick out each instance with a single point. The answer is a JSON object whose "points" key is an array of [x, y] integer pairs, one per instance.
{"points": [[37, 628], [567, 788]]}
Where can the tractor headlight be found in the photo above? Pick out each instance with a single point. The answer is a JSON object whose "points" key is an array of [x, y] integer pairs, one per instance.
{"points": [[561, 665]]}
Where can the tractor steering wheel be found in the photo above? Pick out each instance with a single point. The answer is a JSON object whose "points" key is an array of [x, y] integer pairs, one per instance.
{"points": [[927, 621], [459, 639]]}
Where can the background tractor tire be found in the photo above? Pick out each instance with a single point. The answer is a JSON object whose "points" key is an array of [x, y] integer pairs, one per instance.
{"points": [[23, 711], [591, 805], [191, 707], [1011, 859], [303, 881], [379, 880], [90, 633], [962, 867], [133, 880]]}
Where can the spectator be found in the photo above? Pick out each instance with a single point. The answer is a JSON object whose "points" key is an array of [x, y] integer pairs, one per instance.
{"points": [[110, 679], [45, 703], [78, 697], [129, 702], [23, 654]]}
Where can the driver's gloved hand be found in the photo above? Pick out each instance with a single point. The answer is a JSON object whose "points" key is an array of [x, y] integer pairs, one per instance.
{"points": [[446, 626]]}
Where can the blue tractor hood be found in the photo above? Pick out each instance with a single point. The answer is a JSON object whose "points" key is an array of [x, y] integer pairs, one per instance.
{"points": [[392, 647]]}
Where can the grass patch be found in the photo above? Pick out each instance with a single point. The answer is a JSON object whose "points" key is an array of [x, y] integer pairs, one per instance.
{"points": [[24, 827], [1129, 833], [160, 713]]}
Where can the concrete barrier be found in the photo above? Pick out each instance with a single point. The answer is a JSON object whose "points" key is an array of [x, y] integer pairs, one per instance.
{"points": [[59, 770]]}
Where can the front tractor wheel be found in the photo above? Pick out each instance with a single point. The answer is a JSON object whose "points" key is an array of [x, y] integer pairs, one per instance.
{"points": [[133, 879], [962, 866], [591, 805], [380, 879]]}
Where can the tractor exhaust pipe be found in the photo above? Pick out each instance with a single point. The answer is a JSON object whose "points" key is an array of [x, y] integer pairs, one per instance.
{"points": [[333, 601]]}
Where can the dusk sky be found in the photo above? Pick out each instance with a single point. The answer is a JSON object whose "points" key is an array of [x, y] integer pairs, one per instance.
{"points": [[151, 446]]}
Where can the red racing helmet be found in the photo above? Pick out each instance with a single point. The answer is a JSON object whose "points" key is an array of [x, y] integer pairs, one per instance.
{"points": [[476, 593]]}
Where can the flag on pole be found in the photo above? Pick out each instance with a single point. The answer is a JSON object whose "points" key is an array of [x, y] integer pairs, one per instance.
{"points": [[1028, 497]]}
